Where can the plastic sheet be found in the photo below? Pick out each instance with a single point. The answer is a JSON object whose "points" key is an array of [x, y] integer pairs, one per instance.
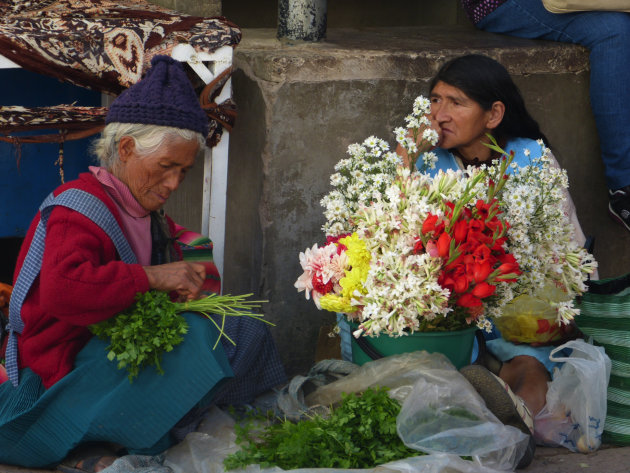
{"points": [[204, 451], [408, 377]]}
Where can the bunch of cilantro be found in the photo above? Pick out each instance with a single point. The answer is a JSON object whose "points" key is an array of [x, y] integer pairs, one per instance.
{"points": [[140, 335], [151, 326], [360, 433]]}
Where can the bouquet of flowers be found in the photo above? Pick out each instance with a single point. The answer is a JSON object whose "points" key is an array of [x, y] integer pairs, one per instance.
{"points": [[409, 252]]}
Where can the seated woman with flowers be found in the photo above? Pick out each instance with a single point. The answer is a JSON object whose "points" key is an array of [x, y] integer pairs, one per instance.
{"points": [[472, 97]]}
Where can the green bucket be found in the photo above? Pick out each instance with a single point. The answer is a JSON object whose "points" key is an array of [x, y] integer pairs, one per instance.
{"points": [[457, 345]]}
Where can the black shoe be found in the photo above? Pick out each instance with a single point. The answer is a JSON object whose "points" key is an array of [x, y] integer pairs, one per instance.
{"points": [[506, 406], [485, 358], [619, 206], [528, 456]]}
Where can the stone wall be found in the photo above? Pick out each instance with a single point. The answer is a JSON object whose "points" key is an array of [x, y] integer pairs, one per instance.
{"points": [[300, 106]]}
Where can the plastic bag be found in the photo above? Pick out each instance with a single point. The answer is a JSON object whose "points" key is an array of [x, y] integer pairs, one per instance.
{"points": [[532, 319], [399, 373], [576, 400], [444, 414]]}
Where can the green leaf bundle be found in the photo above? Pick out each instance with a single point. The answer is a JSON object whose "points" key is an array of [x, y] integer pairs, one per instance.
{"points": [[360, 433], [152, 326]]}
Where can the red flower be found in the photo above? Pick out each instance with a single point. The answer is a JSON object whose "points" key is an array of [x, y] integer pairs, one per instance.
{"points": [[456, 280], [429, 223], [443, 245], [468, 300], [418, 247], [507, 258], [483, 209], [460, 283], [483, 290], [460, 231], [319, 286], [451, 207], [497, 227], [482, 254], [481, 271], [509, 268]]}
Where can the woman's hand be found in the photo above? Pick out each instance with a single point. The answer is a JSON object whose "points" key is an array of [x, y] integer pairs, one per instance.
{"points": [[182, 276]]}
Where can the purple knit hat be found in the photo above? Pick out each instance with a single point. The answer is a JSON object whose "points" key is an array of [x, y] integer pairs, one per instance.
{"points": [[164, 96]]}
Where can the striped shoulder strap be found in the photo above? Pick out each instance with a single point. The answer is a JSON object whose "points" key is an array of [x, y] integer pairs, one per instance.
{"points": [[80, 201]]}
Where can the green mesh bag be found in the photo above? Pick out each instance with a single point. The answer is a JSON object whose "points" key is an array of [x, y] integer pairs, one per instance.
{"points": [[605, 316]]}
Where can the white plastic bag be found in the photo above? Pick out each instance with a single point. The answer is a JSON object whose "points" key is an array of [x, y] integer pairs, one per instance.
{"points": [[444, 414], [576, 400]]}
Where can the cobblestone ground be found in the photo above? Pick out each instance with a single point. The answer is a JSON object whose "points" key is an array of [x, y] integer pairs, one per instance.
{"points": [[560, 460], [547, 460]]}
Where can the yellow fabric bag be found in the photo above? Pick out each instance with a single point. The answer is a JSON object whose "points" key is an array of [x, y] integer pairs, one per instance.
{"points": [[570, 6]]}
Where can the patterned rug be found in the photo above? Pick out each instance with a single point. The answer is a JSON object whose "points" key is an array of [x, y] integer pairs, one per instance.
{"points": [[106, 46]]}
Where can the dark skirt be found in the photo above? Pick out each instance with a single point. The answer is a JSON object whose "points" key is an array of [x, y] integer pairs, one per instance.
{"points": [[96, 402]]}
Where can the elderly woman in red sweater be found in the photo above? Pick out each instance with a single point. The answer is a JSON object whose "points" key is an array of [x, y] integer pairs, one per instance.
{"points": [[95, 243]]}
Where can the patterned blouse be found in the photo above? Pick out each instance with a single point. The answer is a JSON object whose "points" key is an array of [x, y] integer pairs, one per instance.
{"points": [[477, 10]]}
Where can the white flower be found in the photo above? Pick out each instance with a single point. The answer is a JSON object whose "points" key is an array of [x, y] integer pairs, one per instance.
{"points": [[386, 204], [429, 158]]}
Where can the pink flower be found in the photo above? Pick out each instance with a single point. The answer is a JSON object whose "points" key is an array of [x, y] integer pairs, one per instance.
{"points": [[323, 269]]}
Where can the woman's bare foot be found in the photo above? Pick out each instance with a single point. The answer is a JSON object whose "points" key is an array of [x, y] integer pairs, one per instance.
{"points": [[95, 464]]}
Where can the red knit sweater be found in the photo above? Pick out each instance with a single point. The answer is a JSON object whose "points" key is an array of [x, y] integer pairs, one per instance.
{"points": [[82, 281]]}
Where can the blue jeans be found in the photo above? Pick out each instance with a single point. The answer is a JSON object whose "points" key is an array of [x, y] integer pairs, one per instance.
{"points": [[607, 37]]}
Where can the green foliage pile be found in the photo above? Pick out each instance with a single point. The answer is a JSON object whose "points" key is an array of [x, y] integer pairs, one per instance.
{"points": [[360, 433], [151, 326]]}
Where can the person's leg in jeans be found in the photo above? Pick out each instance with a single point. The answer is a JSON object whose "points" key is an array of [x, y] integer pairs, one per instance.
{"points": [[607, 36]]}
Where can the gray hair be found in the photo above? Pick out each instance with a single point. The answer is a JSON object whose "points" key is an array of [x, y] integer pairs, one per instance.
{"points": [[147, 139]]}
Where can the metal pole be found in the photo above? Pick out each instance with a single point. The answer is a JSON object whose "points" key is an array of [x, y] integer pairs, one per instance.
{"points": [[302, 19]]}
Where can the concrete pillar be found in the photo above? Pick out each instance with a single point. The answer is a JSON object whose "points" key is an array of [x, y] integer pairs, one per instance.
{"points": [[302, 19], [299, 107]]}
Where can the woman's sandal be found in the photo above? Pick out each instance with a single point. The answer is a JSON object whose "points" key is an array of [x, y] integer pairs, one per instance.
{"points": [[507, 407]]}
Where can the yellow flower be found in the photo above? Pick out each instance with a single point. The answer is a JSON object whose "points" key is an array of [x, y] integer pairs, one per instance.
{"points": [[359, 261], [357, 251], [335, 303]]}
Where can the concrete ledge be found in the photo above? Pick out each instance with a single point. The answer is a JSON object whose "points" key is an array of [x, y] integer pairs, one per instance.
{"points": [[394, 53]]}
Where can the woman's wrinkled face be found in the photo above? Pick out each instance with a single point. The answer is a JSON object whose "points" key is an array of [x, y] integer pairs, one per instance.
{"points": [[462, 121], [153, 177]]}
